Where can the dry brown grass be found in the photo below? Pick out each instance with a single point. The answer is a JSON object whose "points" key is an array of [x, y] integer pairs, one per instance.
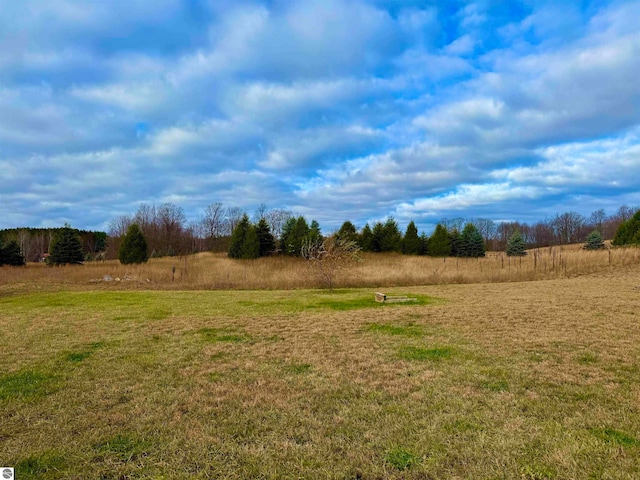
{"points": [[518, 380], [216, 271], [529, 380]]}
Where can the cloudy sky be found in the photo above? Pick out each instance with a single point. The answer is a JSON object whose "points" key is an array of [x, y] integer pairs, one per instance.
{"points": [[332, 109]]}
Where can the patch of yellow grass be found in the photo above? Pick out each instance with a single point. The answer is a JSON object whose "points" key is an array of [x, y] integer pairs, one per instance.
{"points": [[217, 271]]}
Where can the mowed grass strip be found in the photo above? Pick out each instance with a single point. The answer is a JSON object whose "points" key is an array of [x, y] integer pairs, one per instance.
{"points": [[281, 384]]}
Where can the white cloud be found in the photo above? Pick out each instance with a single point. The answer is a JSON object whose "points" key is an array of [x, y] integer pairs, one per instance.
{"points": [[351, 109], [131, 97], [463, 45], [467, 197], [613, 162]]}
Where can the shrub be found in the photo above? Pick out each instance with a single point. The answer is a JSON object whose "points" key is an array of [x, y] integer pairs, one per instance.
{"points": [[594, 241], [327, 258]]}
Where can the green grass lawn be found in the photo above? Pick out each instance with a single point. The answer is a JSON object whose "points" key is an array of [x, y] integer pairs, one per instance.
{"points": [[311, 384]]}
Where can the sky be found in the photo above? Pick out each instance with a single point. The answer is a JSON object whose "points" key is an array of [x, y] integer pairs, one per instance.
{"points": [[335, 110]]}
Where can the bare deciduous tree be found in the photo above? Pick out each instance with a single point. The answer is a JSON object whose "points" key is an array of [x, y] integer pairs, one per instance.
{"points": [[486, 227], [597, 220], [451, 224], [171, 221], [213, 223], [146, 219], [328, 258], [276, 219], [119, 225], [568, 227], [233, 217], [260, 213]]}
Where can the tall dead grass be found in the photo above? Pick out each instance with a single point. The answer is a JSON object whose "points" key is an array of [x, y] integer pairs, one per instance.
{"points": [[217, 271]]}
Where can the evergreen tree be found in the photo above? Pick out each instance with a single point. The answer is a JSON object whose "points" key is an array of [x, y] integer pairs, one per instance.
{"points": [[251, 244], [439, 243], [628, 232], [100, 241], [287, 232], [411, 243], [134, 246], [314, 236], [455, 241], [2, 257], [365, 238], [265, 239], [238, 236], [298, 236], [472, 241], [391, 236], [515, 245], [347, 232], [424, 244], [594, 241], [11, 255], [66, 248], [377, 237]]}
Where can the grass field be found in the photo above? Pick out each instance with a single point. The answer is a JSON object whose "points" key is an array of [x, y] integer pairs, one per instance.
{"points": [[531, 380], [216, 271]]}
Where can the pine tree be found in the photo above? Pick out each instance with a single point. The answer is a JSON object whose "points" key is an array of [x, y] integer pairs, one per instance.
{"points": [[594, 241], [134, 246], [287, 233], [411, 243], [347, 232], [251, 244], [238, 237], [298, 237], [439, 244], [455, 241], [66, 248], [314, 236], [515, 245], [11, 255], [628, 232], [365, 238], [424, 244], [244, 240], [472, 241], [391, 236], [265, 239], [376, 237]]}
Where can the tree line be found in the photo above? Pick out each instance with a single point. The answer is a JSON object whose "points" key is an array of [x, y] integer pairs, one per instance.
{"points": [[168, 233], [278, 231], [35, 244]]}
